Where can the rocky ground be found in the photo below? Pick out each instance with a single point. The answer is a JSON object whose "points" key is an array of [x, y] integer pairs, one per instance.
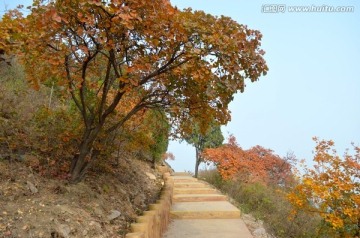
{"points": [[256, 226], [100, 206]]}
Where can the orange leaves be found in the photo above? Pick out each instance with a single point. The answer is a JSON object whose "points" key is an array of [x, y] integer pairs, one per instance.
{"points": [[81, 17], [155, 40], [12, 26], [331, 189], [119, 57], [124, 19], [55, 17], [95, 2]]}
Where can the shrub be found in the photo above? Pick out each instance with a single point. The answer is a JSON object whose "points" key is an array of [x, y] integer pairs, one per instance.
{"points": [[47, 136], [30, 131]]}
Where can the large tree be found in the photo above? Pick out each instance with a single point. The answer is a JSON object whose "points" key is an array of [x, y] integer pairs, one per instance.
{"points": [[187, 62], [202, 138]]}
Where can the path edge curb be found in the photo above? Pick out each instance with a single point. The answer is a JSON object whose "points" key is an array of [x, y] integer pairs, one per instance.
{"points": [[154, 222]]}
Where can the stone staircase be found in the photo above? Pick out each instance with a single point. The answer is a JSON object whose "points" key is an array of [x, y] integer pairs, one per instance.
{"points": [[199, 211]]}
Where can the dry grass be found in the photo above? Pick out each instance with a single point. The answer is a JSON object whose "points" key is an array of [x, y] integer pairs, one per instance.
{"points": [[267, 204]]}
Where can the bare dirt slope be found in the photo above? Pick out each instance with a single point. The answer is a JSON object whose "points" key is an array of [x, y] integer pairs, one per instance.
{"points": [[101, 206]]}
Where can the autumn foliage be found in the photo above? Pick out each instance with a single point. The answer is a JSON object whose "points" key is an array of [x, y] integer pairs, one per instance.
{"points": [[331, 189], [146, 53], [254, 165]]}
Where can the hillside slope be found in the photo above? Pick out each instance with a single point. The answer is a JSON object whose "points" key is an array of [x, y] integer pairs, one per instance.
{"points": [[100, 206]]}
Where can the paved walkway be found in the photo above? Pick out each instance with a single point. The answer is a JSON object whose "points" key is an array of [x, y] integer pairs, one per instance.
{"points": [[200, 211]]}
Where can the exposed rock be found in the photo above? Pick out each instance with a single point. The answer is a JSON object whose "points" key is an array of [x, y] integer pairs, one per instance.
{"points": [[150, 175], [256, 226], [260, 233], [32, 187], [113, 215], [64, 230]]}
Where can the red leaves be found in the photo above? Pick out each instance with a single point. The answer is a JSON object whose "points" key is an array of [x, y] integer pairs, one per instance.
{"points": [[255, 164]]}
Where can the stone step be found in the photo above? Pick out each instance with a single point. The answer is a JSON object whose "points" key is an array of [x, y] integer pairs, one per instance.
{"points": [[198, 197], [208, 228], [205, 190], [204, 210], [190, 185], [183, 177], [176, 174], [189, 180], [200, 211]]}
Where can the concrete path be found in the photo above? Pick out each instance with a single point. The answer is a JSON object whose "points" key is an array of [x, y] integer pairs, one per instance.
{"points": [[200, 211]]}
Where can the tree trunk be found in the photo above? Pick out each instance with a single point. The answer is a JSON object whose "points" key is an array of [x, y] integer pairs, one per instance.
{"points": [[79, 165], [153, 163], [197, 163], [81, 161]]}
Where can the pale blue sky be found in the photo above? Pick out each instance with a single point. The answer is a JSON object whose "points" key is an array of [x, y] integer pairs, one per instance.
{"points": [[313, 85]]}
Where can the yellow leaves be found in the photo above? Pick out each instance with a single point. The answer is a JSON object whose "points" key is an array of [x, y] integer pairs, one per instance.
{"points": [[335, 221], [308, 182], [336, 194], [352, 213], [299, 203], [356, 198], [331, 187]]}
